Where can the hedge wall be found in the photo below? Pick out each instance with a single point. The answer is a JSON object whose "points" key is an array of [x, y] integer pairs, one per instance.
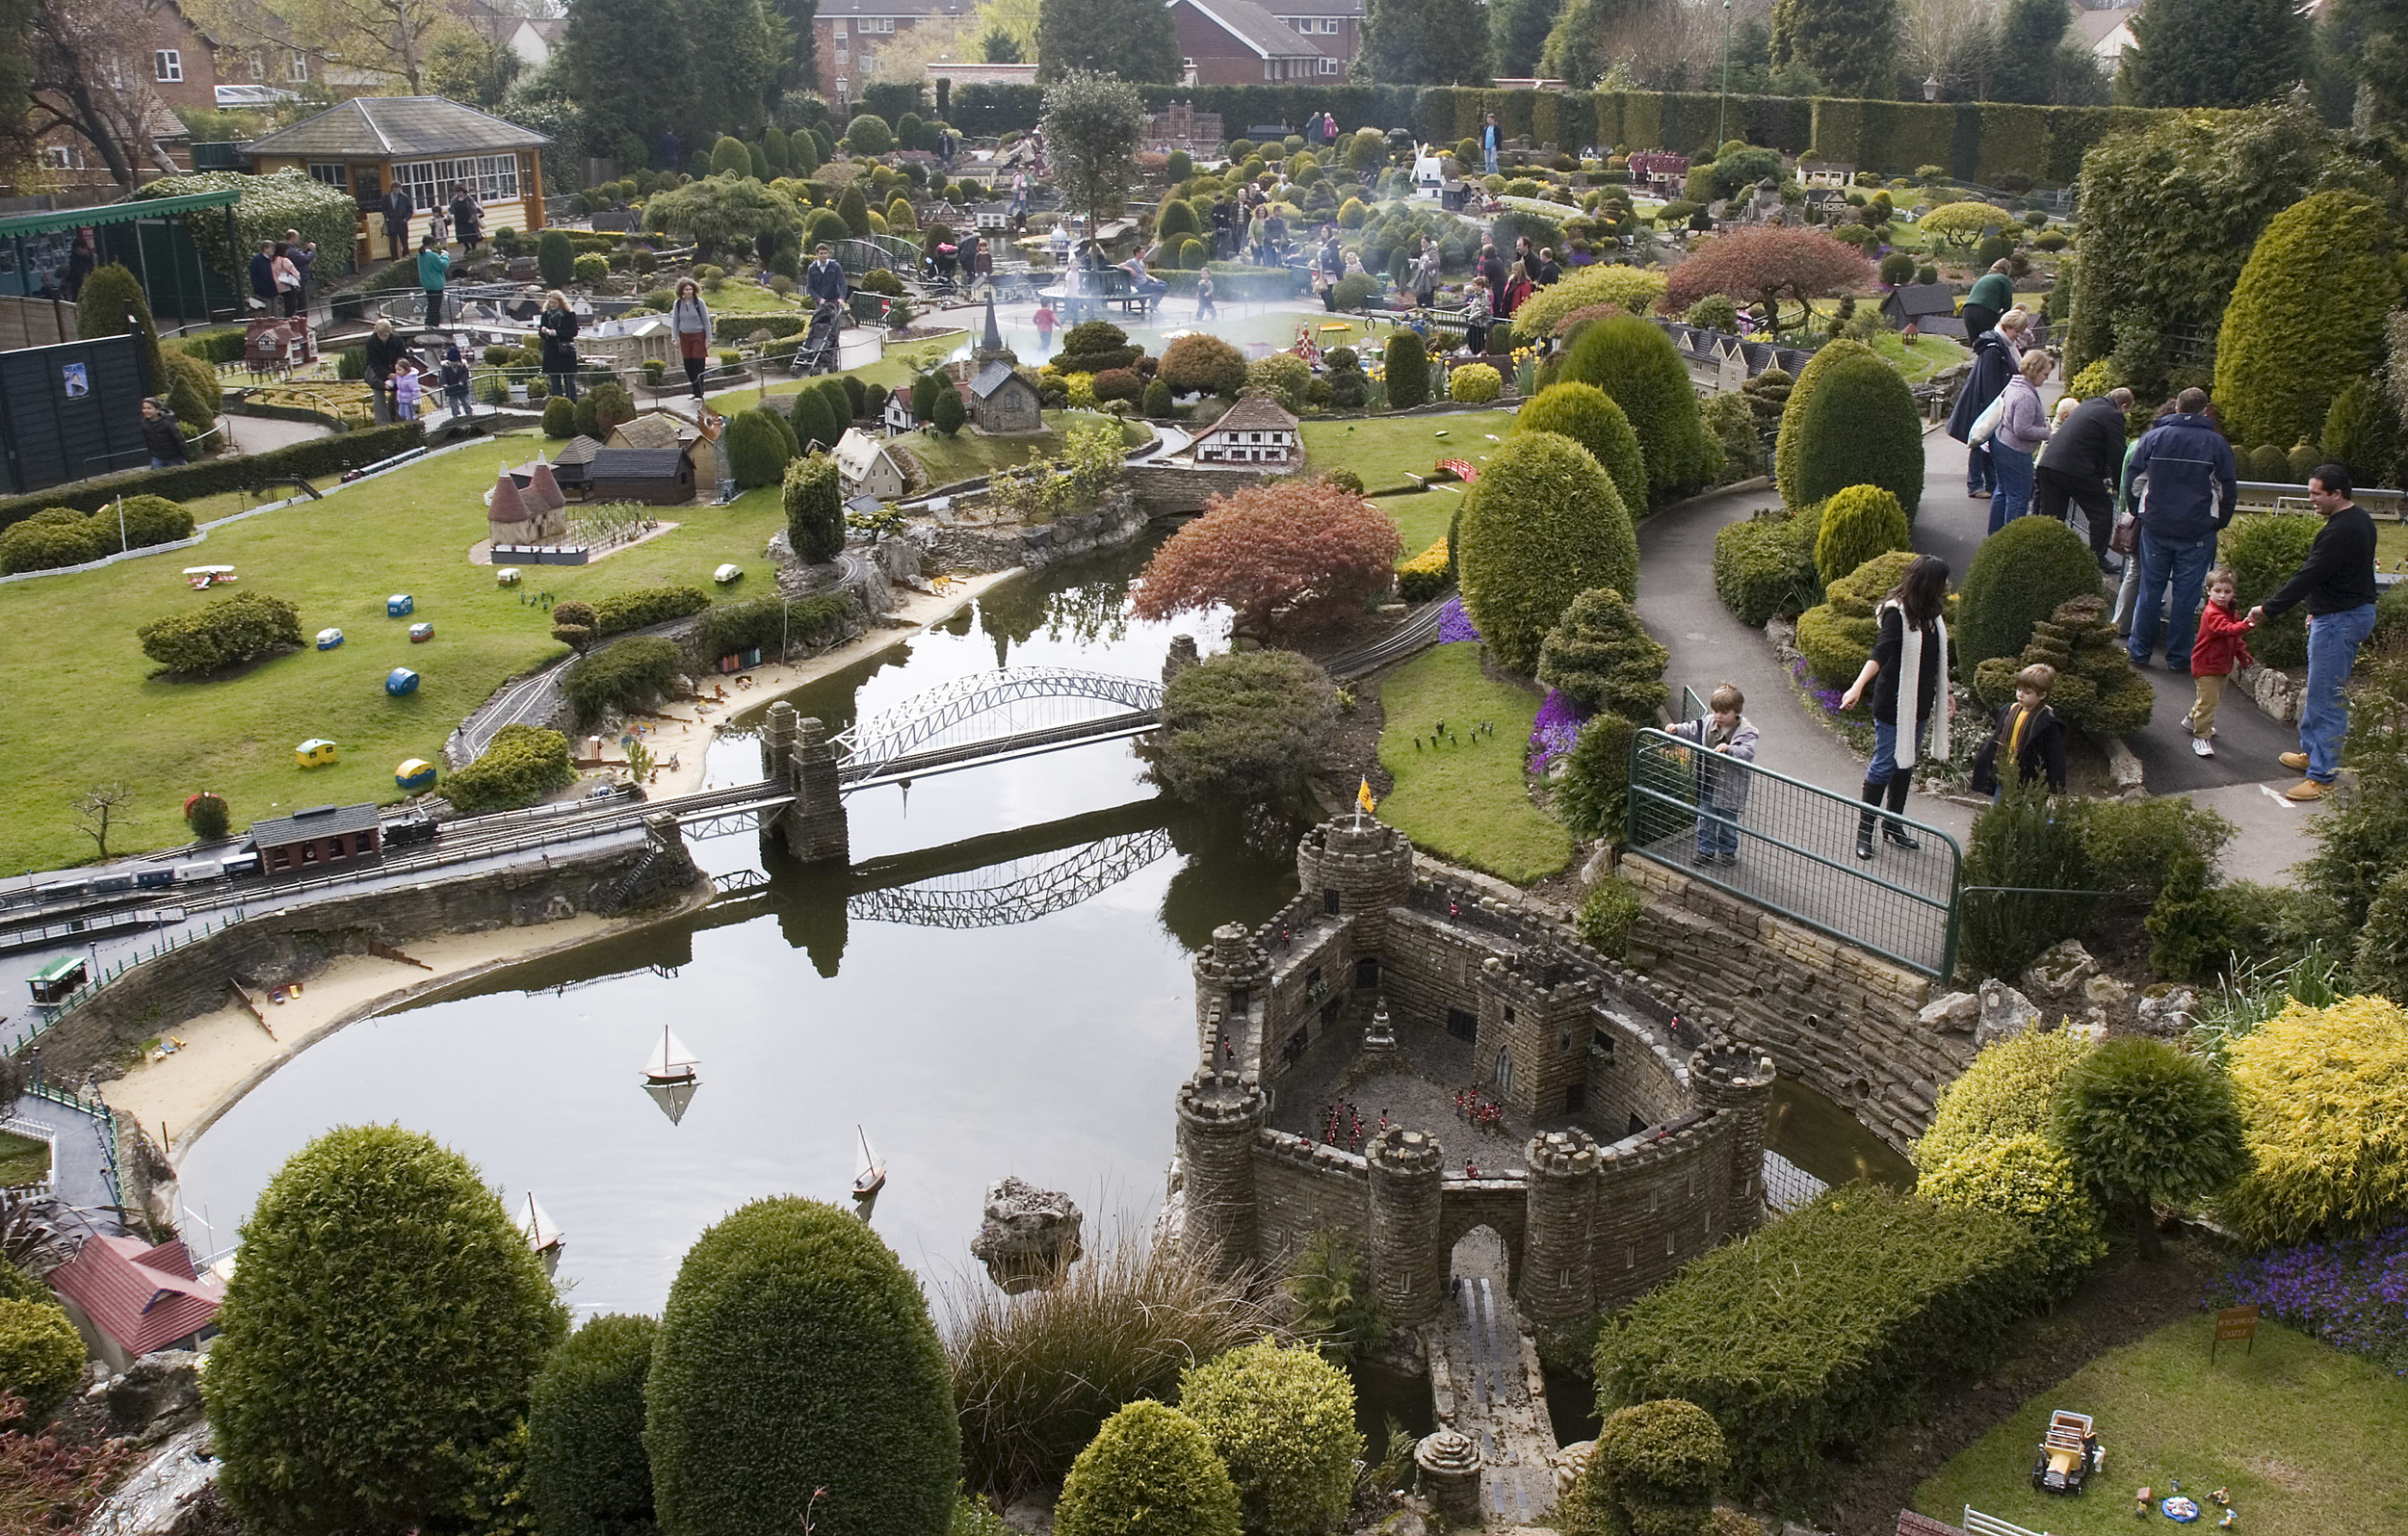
{"points": [[316, 459]]}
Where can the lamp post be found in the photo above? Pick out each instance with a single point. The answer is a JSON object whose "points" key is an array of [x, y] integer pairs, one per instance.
{"points": [[1722, 107], [844, 97], [1932, 86]]}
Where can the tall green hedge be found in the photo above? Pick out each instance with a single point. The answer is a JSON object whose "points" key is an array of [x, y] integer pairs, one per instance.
{"points": [[1859, 427], [1788, 449], [2018, 577], [796, 1354], [379, 1338], [1406, 368], [1541, 525], [519, 766], [1810, 1338], [1589, 416], [624, 674], [1764, 569], [1635, 362], [757, 447], [586, 1470], [2306, 318], [639, 606]]}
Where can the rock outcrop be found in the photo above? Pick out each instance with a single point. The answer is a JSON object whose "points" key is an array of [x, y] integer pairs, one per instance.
{"points": [[1030, 1236]]}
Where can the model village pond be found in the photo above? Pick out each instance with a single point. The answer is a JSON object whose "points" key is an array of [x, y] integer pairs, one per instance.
{"points": [[1044, 1035]]}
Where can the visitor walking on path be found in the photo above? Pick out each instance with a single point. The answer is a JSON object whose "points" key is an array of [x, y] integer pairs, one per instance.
{"points": [[1908, 674], [1722, 792], [2188, 501], [2022, 426], [435, 270], [1488, 146], [382, 353], [558, 327], [1997, 354], [161, 436], [468, 218], [690, 319], [398, 209], [2026, 736], [1993, 295], [2335, 585], [823, 280], [2126, 540], [288, 281], [1423, 273], [2081, 465], [2221, 646]]}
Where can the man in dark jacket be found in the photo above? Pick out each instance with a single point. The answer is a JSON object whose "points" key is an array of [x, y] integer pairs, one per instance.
{"points": [[2080, 462], [2189, 500], [398, 209], [383, 352], [1550, 270], [823, 279], [2335, 585], [1492, 267], [163, 437], [1994, 364], [263, 275]]}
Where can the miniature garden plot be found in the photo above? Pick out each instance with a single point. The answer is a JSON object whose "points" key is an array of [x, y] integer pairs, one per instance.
{"points": [[1462, 794]]}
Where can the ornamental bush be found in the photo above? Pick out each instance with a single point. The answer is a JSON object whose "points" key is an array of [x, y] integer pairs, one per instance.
{"points": [[1407, 369], [869, 135], [221, 633], [2306, 317], [1856, 525], [2018, 577], [1600, 655], [378, 1340], [42, 1355], [1283, 375], [1654, 1472], [54, 538], [1282, 1420], [1638, 290], [559, 417], [1150, 1471], [590, 267], [586, 1470], [2146, 1125], [1426, 575], [641, 606], [2007, 1092], [948, 413], [796, 1353], [2362, 432], [1592, 784], [808, 416], [757, 451], [1789, 446], [1636, 364], [632, 673], [2324, 1095], [1200, 364], [1810, 1338], [2022, 865], [1589, 416], [2098, 688], [1765, 567], [191, 390], [112, 304], [1859, 427], [1836, 637], [1541, 525], [1288, 556], [205, 814], [1244, 727], [1093, 346], [1473, 384], [2264, 549], [519, 766], [556, 258], [2026, 1176], [1731, 421]]}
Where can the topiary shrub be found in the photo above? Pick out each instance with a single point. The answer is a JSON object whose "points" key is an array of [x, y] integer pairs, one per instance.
{"points": [[1609, 916], [2018, 577], [2303, 459], [42, 1355], [1636, 364], [949, 414], [590, 268], [1541, 525], [1857, 427], [2264, 549], [2027, 1178], [224, 632], [1897, 268], [2306, 317], [1855, 525], [2098, 688], [112, 304], [1592, 782], [1473, 384], [519, 766], [1283, 375], [54, 538], [1093, 346], [1715, 312], [1789, 446], [1405, 370], [1282, 1420], [1732, 421], [205, 814], [1199, 364], [641, 606], [1150, 1471], [556, 258], [1156, 400], [1589, 417], [2026, 870], [2005, 1092], [1654, 1472], [559, 417], [586, 1468], [1600, 655], [870, 135], [378, 1340], [796, 1353], [2322, 1094], [1836, 637], [2146, 1125], [1765, 567], [632, 673], [2362, 432], [757, 447]]}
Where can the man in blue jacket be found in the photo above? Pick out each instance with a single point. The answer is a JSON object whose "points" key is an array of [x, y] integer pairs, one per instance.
{"points": [[825, 279], [2187, 498]]}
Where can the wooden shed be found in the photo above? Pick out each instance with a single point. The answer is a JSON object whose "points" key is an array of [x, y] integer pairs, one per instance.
{"points": [[424, 144], [310, 840], [658, 477]]}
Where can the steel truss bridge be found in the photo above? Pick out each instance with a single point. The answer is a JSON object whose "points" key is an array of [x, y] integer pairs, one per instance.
{"points": [[1020, 890]]}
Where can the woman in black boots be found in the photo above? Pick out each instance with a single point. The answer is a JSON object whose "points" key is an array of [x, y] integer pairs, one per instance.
{"points": [[1909, 677]]}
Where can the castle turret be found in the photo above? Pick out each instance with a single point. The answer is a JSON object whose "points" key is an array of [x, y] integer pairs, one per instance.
{"points": [[1537, 1011], [1232, 989], [1737, 1079], [1409, 1265], [778, 739], [1218, 1114], [1358, 871], [1558, 1284]]}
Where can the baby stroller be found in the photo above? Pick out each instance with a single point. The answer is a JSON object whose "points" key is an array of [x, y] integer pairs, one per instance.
{"points": [[817, 352]]}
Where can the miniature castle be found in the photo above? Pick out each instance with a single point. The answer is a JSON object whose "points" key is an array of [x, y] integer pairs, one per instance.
{"points": [[1647, 1136]]}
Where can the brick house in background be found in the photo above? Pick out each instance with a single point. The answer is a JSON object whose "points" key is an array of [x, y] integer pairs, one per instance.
{"points": [[1236, 43], [850, 33], [1333, 26]]}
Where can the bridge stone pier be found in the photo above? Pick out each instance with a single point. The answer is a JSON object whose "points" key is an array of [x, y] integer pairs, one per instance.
{"points": [[795, 749]]}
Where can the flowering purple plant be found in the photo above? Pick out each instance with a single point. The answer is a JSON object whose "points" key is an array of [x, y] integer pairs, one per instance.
{"points": [[1455, 624], [2352, 1293], [1827, 697], [1555, 730]]}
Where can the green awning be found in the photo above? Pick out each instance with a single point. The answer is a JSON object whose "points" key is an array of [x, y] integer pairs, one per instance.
{"points": [[116, 213]]}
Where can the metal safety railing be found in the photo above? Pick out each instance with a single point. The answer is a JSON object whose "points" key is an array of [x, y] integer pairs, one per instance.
{"points": [[1790, 847]]}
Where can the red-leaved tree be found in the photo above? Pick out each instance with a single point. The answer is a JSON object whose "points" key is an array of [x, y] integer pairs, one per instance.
{"points": [[1285, 557], [1769, 266]]}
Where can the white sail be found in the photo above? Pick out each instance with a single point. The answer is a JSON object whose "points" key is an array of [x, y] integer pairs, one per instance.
{"points": [[671, 1061], [537, 1224], [871, 1173]]}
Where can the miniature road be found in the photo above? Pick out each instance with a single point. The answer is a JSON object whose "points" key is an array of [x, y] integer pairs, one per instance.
{"points": [[1484, 1384]]}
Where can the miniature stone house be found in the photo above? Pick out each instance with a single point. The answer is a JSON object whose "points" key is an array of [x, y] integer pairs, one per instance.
{"points": [[1004, 401], [866, 468], [531, 511], [1252, 431], [1649, 1131]]}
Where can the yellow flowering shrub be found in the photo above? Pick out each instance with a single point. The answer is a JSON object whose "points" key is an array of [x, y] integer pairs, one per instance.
{"points": [[2004, 1093], [2325, 1105], [1424, 576], [2029, 1179]]}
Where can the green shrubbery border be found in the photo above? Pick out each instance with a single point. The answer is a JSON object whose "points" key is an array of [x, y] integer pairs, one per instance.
{"points": [[317, 458]]}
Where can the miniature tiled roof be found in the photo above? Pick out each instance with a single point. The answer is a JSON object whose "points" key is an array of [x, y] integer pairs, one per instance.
{"points": [[657, 429], [576, 451], [637, 463], [992, 378], [398, 128], [141, 1296], [1254, 27], [1255, 414], [318, 821]]}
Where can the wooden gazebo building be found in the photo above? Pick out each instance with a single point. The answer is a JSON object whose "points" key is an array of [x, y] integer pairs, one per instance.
{"points": [[423, 143]]}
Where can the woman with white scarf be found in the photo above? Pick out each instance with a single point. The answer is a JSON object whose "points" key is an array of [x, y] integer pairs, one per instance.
{"points": [[1908, 673]]}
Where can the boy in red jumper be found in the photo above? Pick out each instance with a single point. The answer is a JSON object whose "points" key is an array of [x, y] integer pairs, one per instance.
{"points": [[2221, 647]]}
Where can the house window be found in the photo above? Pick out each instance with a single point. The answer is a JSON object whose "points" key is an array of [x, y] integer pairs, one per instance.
{"points": [[1504, 1074], [428, 182], [840, 27], [337, 175], [1330, 27], [296, 66], [869, 60], [167, 66], [258, 65], [1329, 67], [60, 157], [1461, 1025], [883, 24]]}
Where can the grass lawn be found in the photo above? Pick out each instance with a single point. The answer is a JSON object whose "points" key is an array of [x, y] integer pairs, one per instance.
{"points": [[2306, 1437], [1468, 804], [1422, 516], [1384, 449], [1919, 359], [23, 1160], [86, 710], [966, 456]]}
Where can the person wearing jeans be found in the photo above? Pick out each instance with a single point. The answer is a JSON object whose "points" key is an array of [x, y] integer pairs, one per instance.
{"points": [[2187, 498], [2022, 426], [2336, 583]]}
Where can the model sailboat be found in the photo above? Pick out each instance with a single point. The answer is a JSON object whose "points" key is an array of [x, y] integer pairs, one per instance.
{"points": [[669, 1075], [544, 1236], [872, 1176]]}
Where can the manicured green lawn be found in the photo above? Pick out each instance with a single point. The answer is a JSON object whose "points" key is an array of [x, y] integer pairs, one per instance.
{"points": [[1468, 802], [1422, 516], [23, 1160], [1384, 449], [86, 710], [1924, 356], [966, 456], [2309, 1441]]}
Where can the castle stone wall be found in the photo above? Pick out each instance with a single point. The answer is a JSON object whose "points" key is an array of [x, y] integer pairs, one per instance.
{"points": [[1299, 1190]]}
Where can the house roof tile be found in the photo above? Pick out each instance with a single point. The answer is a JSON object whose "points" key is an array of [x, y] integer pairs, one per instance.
{"points": [[1255, 414], [320, 821], [1255, 27], [398, 128], [637, 463], [141, 1296]]}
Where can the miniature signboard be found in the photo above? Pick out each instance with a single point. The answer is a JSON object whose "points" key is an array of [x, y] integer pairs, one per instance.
{"points": [[2233, 1325]]}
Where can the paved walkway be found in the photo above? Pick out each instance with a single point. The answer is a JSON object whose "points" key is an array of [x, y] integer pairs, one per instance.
{"points": [[1485, 1384]]}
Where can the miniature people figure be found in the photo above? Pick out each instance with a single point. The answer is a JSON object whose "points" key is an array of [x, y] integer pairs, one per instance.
{"points": [[2232, 1516], [2221, 1495], [2140, 1501]]}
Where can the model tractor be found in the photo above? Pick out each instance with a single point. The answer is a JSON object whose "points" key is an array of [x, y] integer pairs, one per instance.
{"points": [[2070, 1454]]}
